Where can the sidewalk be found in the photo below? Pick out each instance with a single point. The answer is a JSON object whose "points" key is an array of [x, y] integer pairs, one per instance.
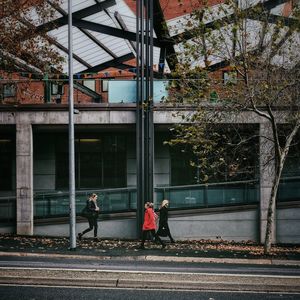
{"points": [[188, 251]]}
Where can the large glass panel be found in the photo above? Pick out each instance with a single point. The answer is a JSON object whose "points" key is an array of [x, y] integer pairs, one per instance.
{"points": [[61, 162], [114, 161], [6, 163], [7, 210], [90, 163]]}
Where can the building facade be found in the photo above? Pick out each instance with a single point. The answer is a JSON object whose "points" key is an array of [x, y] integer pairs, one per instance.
{"points": [[34, 147]]}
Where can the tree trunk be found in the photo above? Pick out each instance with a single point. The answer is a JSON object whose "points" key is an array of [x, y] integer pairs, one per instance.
{"points": [[271, 210]]}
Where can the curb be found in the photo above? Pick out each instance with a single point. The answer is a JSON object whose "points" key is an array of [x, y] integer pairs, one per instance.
{"points": [[159, 258]]}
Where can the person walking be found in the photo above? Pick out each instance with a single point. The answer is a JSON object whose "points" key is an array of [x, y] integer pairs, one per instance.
{"points": [[163, 226], [92, 212], [149, 226]]}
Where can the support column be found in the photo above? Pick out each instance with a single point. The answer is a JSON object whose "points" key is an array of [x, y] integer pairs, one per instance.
{"points": [[24, 179], [267, 172], [144, 107]]}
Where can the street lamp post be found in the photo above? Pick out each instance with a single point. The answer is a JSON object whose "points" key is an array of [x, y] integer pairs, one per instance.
{"points": [[71, 134]]}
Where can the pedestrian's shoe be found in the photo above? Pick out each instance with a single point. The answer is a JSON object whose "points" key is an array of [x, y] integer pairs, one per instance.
{"points": [[79, 236]]}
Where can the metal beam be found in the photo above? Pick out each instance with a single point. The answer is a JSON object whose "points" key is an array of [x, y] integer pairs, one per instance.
{"points": [[88, 34], [116, 32], [162, 33], [111, 63], [124, 27], [85, 12], [64, 49]]}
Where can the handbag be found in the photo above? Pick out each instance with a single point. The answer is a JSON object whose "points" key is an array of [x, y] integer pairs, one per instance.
{"points": [[85, 212], [162, 231]]}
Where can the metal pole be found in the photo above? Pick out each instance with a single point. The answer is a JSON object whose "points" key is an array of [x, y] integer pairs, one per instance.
{"points": [[150, 106], [71, 134], [140, 129]]}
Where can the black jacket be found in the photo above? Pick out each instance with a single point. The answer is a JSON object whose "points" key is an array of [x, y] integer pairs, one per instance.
{"points": [[92, 208], [163, 216]]}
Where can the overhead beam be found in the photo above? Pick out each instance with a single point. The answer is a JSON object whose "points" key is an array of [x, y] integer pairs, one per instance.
{"points": [[88, 34], [162, 33], [116, 32], [111, 63], [85, 12], [122, 24]]}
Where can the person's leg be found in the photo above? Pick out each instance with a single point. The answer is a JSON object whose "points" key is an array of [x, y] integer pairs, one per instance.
{"points": [[144, 235], [157, 238], [95, 227], [86, 230], [169, 234]]}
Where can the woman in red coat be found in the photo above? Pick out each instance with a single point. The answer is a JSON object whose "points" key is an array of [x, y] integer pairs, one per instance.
{"points": [[149, 225]]}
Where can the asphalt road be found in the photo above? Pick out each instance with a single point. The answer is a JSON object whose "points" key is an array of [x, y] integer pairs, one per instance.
{"points": [[148, 266], [53, 293], [36, 276]]}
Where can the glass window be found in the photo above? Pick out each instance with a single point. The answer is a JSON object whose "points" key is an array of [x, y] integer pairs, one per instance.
{"points": [[90, 83], [114, 164], [181, 170], [104, 84], [89, 163], [9, 90], [100, 162], [62, 162], [230, 77], [56, 89], [6, 160]]}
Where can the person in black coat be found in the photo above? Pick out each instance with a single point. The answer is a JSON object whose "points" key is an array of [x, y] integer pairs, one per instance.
{"points": [[92, 215], [163, 228]]}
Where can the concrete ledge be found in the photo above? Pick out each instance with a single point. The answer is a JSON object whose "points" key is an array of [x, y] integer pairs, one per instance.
{"points": [[159, 258]]}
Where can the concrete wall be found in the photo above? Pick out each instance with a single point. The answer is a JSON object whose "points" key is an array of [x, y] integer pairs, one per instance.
{"points": [[237, 226], [288, 225], [124, 228]]}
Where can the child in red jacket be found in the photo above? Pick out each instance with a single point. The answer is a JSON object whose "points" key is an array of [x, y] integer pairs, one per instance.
{"points": [[149, 225]]}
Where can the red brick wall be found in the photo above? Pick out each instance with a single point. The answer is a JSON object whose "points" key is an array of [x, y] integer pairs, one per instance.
{"points": [[176, 8]]}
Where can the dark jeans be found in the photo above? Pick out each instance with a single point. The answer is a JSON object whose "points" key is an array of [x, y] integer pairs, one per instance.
{"points": [[93, 224], [152, 232]]}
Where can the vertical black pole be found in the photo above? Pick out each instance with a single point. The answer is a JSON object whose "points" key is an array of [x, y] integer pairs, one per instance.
{"points": [[139, 118], [149, 144], [144, 108], [149, 132]]}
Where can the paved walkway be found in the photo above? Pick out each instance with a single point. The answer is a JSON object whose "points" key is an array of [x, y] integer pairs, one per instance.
{"points": [[196, 250]]}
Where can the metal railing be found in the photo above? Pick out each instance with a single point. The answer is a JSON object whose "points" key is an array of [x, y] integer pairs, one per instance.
{"points": [[56, 204], [109, 200], [210, 195]]}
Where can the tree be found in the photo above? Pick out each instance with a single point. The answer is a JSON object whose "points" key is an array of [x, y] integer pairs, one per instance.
{"points": [[22, 46], [258, 50]]}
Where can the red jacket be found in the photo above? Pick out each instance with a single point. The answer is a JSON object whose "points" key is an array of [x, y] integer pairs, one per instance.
{"points": [[149, 220]]}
